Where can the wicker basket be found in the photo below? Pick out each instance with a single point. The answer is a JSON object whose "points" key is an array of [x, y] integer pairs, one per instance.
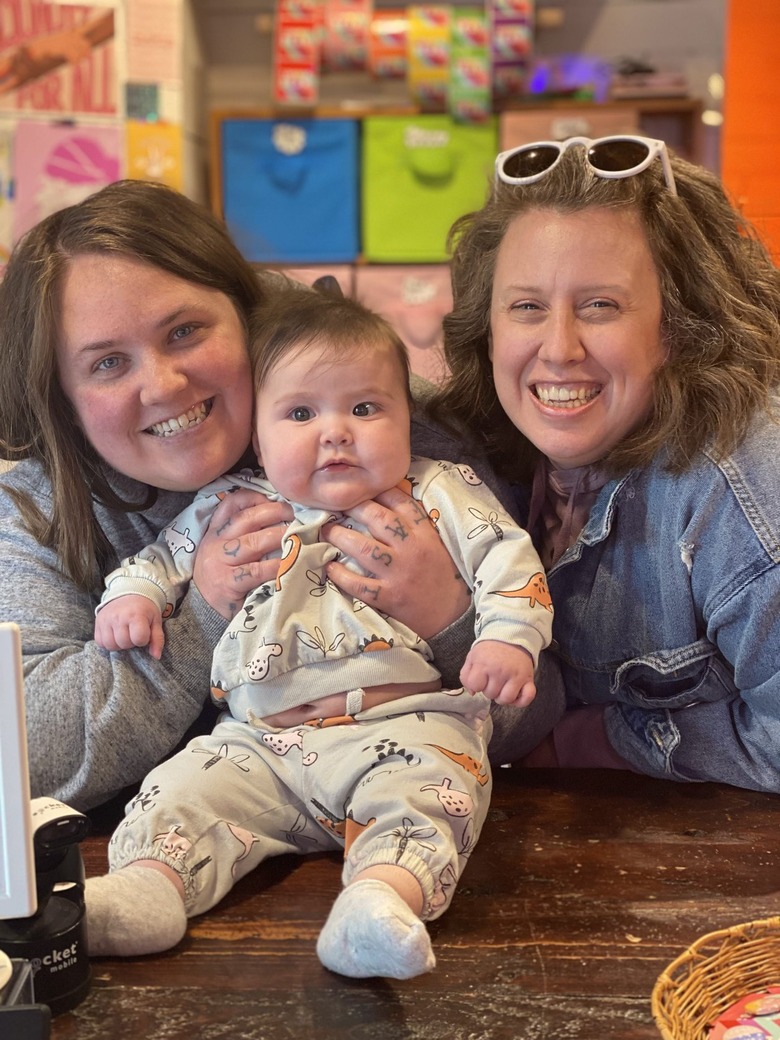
{"points": [[715, 972]]}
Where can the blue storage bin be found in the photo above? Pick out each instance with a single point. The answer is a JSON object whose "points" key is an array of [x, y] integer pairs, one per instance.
{"points": [[290, 189]]}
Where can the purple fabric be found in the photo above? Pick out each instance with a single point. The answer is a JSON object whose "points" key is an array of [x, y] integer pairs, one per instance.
{"points": [[562, 500]]}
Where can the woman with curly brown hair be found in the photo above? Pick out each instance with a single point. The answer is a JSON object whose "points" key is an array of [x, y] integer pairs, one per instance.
{"points": [[615, 352]]}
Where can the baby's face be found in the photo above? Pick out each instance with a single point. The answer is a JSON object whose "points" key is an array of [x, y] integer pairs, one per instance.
{"points": [[331, 432]]}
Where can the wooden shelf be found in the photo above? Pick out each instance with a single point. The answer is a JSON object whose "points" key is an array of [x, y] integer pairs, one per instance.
{"points": [[674, 120]]}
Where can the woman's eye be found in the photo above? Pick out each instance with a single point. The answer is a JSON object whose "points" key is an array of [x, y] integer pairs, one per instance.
{"points": [[108, 364], [300, 414], [600, 310], [364, 409], [182, 331]]}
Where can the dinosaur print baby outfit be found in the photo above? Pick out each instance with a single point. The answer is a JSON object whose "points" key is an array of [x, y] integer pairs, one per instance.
{"points": [[404, 782]]}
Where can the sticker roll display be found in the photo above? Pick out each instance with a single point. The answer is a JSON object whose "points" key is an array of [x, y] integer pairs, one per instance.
{"points": [[429, 51], [387, 44], [470, 94], [296, 71], [346, 28], [511, 32]]}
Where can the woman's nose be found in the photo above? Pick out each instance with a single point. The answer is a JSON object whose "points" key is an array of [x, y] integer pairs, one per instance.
{"points": [[561, 343], [161, 377]]}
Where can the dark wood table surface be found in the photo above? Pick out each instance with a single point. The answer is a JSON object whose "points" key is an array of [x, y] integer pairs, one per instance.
{"points": [[584, 886]]}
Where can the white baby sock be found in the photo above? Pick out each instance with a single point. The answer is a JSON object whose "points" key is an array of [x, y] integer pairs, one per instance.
{"points": [[133, 911], [371, 932]]}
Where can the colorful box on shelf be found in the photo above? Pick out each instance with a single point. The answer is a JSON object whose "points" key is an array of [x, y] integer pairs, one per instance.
{"points": [[290, 189], [414, 298], [419, 173]]}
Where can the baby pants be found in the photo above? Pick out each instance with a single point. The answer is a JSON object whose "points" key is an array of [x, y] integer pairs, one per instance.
{"points": [[409, 788]]}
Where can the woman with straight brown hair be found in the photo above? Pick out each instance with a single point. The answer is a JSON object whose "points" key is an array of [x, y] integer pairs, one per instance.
{"points": [[125, 386]]}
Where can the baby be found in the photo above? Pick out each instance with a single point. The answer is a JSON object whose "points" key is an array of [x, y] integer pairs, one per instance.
{"points": [[337, 733]]}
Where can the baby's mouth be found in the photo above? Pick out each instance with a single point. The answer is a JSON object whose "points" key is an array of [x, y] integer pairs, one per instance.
{"points": [[558, 396], [192, 417], [336, 461]]}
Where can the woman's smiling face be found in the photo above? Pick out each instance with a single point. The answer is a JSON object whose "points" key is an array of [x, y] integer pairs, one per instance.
{"points": [[156, 369], [575, 330]]}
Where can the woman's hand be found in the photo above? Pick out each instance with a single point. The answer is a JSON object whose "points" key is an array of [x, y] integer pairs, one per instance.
{"points": [[411, 576], [232, 557]]}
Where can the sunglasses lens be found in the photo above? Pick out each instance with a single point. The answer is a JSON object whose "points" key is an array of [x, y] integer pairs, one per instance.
{"points": [[530, 161], [615, 156]]}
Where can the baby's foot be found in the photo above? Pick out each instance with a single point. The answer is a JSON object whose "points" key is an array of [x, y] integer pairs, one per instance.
{"points": [[133, 911], [371, 932]]}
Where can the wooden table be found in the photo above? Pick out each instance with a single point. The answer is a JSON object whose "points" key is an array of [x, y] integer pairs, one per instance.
{"points": [[585, 885]]}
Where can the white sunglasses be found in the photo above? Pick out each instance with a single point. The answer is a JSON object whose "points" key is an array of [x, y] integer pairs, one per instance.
{"points": [[611, 157]]}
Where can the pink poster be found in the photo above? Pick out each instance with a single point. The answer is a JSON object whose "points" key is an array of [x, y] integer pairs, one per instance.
{"points": [[57, 165], [154, 41], [57, 58]]}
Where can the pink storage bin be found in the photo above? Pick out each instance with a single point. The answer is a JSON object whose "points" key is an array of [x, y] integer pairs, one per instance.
{"points": [[414, 299], [343, 273]]}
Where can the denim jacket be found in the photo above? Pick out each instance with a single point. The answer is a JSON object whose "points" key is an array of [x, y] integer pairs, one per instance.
{"points": [[667, 611]]}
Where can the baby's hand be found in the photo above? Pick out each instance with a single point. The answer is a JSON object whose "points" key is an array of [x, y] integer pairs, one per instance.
{"points": [[504, 673], [130, 621]]}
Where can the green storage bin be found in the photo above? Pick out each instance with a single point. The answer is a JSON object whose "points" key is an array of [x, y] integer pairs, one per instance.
{"points": [[419, 174]]}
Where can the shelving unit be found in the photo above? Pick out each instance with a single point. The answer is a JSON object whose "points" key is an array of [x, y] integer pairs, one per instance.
{"points": [[674, 120]]}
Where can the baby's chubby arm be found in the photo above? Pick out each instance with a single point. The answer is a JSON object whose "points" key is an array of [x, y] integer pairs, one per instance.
{"points": [[503, 672], [130, 621]]}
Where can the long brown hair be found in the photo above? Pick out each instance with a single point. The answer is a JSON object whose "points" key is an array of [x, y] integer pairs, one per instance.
{"points": [[721, 314], [137, 219]]}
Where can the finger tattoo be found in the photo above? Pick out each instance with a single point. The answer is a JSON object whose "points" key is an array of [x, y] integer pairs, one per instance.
{"points": [[381, 557], [232, 547], [398, 529], [421, 514]]}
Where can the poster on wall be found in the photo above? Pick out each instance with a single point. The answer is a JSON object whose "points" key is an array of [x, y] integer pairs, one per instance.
{"points": [[155, 45], [154, 153], [57, 165], [57, 58]]}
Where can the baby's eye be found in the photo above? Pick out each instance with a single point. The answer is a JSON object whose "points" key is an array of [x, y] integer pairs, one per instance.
{"points": [[364, 408], [300, 414]]}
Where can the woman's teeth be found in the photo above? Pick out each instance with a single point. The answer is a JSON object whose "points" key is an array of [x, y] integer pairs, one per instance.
{"points": [[566, 397], [192, 417]]}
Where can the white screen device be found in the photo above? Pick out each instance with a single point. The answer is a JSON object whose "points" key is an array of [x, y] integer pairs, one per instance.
{"points": [[17, 862]]}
